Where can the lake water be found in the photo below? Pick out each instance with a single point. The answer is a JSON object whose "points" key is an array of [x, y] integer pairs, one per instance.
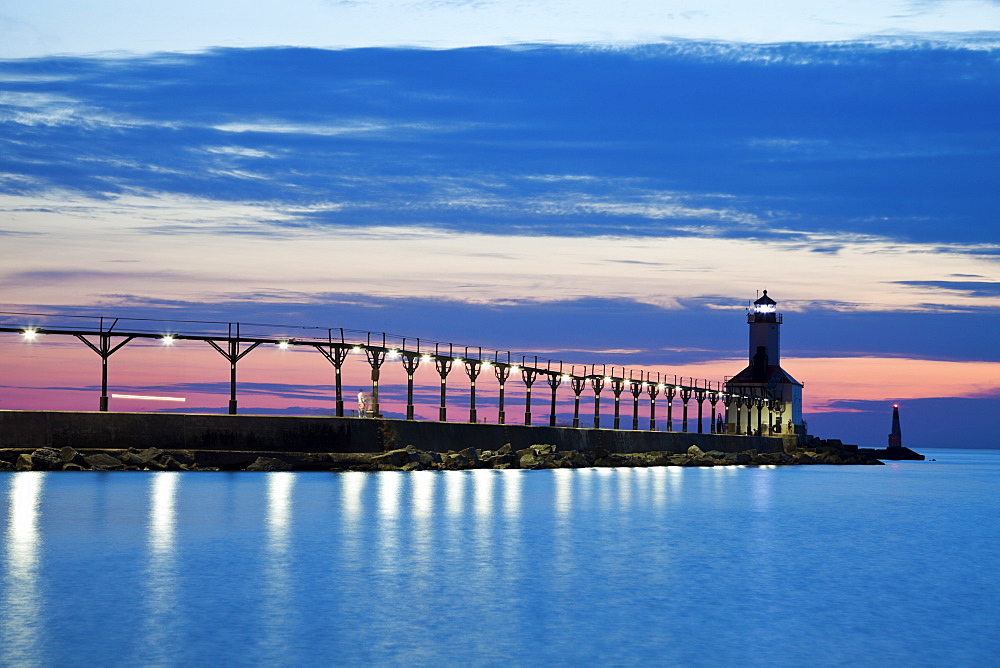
{"points": [[806, 565]]}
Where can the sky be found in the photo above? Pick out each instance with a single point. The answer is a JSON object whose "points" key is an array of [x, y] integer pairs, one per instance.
{"points": [[585, 182]]}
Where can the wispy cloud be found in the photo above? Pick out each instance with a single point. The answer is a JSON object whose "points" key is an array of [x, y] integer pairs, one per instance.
{"points": [[465, 140], [53, 110], [239, 151], [971, 288], [206, 249], [369, 128]]}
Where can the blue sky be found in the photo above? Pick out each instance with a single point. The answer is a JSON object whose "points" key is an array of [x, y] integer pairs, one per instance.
{"points": [[615, 194]]}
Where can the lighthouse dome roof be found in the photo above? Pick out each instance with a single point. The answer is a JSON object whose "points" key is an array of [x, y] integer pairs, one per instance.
{"points": [[765, 300]]}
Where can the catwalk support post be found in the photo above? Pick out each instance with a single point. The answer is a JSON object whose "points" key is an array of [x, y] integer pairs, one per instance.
{"points": [[233, 353], [669, 393], [713, 399], [443, 365], [472, 369], [502, 372], [597, 384], [685, 398], [617, 387], [578, 383], [335, 354], [652, 389], [635, 387], [528, 376], [410, 362], [376, 357], [553, 379], [699, 396], [105, 349]]}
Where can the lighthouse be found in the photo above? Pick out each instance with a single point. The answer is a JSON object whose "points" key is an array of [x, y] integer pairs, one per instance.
{"points": [[896, 437], [765, 399]]}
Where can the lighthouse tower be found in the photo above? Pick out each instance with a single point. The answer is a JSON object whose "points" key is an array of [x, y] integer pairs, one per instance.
{"points": [[896, 437], [767, 399]]}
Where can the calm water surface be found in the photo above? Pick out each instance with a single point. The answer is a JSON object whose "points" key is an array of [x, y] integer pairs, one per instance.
{"points": [[814, 565]]}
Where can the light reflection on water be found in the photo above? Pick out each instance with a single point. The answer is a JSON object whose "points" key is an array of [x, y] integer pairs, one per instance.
{"points": [[455, 492], [352, 486], [482, 490], [510, 549], [161, 585], [512, 482], [279, 510], [22, 607], [389, 488], [562, 566], [563, 480], [484, 521], [658, 485], [423, 512], [423, 527], [279, 559], [623, 480]]}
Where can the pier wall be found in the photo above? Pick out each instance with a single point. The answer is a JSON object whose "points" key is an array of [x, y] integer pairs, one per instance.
{"points": [[259, 433]]}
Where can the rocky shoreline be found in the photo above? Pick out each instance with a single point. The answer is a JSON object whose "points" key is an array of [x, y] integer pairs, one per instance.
{"points": [[410, 458]]}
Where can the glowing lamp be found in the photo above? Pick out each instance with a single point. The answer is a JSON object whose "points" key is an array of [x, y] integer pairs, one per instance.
{"points": [[425, 358], [30, 334], [283, 345], [765, 309], [167, 340], [515, 368]]}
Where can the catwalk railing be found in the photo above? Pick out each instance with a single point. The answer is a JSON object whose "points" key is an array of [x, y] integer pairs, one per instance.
{"points": [[235, 340]]}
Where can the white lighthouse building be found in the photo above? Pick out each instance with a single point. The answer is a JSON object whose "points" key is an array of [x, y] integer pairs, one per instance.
{"points": [[767, 399]]}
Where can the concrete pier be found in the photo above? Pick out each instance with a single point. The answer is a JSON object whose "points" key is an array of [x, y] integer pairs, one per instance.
{"points": [[258, 433]]}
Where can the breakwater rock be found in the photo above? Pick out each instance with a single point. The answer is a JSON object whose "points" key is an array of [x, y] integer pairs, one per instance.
{"points": [[540, 456], [893, 453]]}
